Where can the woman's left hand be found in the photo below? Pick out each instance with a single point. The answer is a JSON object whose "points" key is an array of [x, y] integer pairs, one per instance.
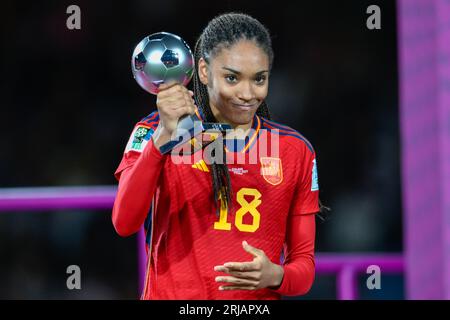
{"points": [[257, 274]]}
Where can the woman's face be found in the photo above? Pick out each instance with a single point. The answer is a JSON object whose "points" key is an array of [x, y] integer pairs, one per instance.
{"points": [[237, 79]]}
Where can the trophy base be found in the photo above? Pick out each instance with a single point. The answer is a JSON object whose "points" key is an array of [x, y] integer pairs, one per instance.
{"points": [[189, 129]]}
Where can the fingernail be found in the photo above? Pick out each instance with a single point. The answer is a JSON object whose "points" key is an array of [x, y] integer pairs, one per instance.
{"points": [[218, 279], [228, 264], [220, 288]]}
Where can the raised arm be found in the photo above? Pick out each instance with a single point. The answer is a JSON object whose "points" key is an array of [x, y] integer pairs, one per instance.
{"points": [[140, 169]]}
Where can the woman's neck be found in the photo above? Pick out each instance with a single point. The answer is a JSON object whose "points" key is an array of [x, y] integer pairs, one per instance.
{"points": [[239, 131]]}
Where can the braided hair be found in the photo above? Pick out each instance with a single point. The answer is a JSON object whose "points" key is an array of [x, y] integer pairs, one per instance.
{"points": [[223, 32]]}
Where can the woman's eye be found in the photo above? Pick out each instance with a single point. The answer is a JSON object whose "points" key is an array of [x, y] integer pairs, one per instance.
{"points": [[231, 78], [260, 79]]}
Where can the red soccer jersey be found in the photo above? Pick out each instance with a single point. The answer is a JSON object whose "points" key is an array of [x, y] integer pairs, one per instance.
{"points": [[186, 238]]}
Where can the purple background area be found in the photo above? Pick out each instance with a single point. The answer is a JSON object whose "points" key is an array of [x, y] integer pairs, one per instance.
{"points": [[424, 76]]}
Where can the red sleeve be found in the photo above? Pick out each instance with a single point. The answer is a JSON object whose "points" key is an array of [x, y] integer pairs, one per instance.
{"points": [[139, 138], [137, 186], [138, 175], [306, 196], [299, 266]]}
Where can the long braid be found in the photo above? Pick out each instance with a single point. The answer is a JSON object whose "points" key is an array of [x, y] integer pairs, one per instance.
{"points": [[219, 172], [222, 32]]}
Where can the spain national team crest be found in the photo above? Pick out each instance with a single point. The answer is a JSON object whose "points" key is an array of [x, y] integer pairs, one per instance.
{"points": [[271, 170]]}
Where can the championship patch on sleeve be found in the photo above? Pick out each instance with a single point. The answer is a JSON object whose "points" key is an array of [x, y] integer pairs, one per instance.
{"points": [[139, 139], [314, 177]]}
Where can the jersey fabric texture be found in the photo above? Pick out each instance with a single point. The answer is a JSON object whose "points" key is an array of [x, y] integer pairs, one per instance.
{"points": [[274, 195]]}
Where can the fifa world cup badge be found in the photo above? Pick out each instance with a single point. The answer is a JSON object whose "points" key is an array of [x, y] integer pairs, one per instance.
{"points": [[139, 137], [314, 177]]}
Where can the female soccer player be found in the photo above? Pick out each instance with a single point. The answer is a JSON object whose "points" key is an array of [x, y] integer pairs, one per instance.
{"points": [[217, 230]]}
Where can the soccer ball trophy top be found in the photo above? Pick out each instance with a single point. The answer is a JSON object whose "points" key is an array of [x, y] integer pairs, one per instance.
{"points": [[165, 57], [162, 57]]}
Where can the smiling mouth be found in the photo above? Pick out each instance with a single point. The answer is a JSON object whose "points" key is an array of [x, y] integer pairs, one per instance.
{"points": [[245, 107]]}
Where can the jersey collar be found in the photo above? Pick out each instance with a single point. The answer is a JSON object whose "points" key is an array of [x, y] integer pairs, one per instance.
{"points": [[241, 145]]}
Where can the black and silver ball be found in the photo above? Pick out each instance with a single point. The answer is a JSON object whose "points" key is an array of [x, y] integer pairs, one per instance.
{"points": [[162, 57]]}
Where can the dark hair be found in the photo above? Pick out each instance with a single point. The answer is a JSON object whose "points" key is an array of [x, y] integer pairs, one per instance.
{"points": [[223, 32]]}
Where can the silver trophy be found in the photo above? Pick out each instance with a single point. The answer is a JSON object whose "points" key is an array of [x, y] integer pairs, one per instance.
{"points": [[165, 57]]}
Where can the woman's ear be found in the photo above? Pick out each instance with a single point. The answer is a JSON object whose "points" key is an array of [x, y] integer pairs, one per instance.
{"points": [[203, 71]]}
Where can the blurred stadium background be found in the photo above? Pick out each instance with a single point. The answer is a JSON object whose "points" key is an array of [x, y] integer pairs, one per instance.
{"points": [[69, 102]]}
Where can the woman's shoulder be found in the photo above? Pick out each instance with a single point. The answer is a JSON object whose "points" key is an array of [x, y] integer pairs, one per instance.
{"points": [[287, 134], [150, 120]]}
